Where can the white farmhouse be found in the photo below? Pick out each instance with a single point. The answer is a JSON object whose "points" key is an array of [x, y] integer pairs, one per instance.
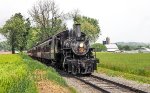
{"points": [[112, 47]]}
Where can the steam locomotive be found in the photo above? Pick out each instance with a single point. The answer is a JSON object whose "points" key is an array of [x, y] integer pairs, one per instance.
{"points": [[69, 50]]}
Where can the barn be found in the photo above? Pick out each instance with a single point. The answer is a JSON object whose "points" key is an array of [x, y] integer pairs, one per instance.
{"points": [[112, 47]]}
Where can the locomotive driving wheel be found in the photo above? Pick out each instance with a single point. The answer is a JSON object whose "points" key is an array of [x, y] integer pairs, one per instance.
{"points": [[74, 70]]}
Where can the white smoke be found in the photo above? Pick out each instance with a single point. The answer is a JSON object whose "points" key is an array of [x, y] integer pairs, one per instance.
{"points": [[69, 24]]}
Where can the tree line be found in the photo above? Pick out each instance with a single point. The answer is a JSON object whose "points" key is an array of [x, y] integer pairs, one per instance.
{"points": [[4, 46], [99, 47], [45, 20]]}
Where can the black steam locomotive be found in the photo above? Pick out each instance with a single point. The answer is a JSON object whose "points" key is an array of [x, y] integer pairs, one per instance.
{"points": [[69, 50]]}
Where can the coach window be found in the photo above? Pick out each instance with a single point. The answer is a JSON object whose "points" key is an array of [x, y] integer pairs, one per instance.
{"points": [[38, 49], [44, 48], [47, 48], [50, 42]]}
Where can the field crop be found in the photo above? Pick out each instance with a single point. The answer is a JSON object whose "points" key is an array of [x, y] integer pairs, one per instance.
{"points": [[20, 74], [133, 66], [14, 75]]}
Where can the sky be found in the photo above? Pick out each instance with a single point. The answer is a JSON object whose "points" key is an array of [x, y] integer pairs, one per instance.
{"points": [[121, 20]]}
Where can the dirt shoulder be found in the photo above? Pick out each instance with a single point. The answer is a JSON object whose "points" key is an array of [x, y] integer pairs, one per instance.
{"points": [[2, 52], [46, 86]]}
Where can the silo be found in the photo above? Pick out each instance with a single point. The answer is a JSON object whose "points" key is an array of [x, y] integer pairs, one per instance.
{"points": [[107, 40]]}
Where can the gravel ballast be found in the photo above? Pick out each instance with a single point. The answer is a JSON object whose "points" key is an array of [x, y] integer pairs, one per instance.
{"points": [[130, 83], [80, 86]]}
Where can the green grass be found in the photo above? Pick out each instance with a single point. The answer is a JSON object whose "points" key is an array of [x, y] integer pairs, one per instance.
{"points": [[14, 77], [131, 66], [17, 74]]}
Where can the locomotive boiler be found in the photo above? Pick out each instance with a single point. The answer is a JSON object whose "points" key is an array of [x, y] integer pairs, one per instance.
{"points": [[69, 50]]}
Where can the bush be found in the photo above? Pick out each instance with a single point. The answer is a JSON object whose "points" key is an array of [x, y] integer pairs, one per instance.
{"points": [[99, 47]]}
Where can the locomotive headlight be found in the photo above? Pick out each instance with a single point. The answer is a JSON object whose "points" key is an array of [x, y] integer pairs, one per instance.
{"points": [[81, 44], [80, 48]]}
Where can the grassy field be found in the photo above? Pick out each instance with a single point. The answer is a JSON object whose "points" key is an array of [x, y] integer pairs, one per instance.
{"points": [[20, 74], [130, 66]]}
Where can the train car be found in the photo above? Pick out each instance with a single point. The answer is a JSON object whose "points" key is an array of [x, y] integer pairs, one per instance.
{"points": [[69, 50]]}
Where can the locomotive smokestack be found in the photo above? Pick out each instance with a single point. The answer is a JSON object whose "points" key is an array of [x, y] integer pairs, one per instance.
{"points": [[78, 30]]}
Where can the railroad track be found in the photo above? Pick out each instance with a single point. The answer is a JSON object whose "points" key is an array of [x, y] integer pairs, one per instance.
{"points": [[107, 86], [103, 85]]}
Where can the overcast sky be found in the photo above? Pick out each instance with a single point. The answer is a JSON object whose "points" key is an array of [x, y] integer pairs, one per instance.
{"points": [[121, 20]]}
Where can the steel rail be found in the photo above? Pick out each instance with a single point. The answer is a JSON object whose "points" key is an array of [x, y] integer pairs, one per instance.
{"points": [[94, 86], [119, 84]]}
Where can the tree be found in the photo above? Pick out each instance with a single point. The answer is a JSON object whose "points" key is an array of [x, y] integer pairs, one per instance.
{"points": [[126, 47], [16, 31], [148, 46], [75, 15], [33, 37], [4, 46], [10, 33], [22, 36], [99, 47], [89, 26], [47, 17], [120, 47]]}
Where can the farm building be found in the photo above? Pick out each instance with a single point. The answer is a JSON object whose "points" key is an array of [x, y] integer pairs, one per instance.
{"points": [[112, 47]]}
